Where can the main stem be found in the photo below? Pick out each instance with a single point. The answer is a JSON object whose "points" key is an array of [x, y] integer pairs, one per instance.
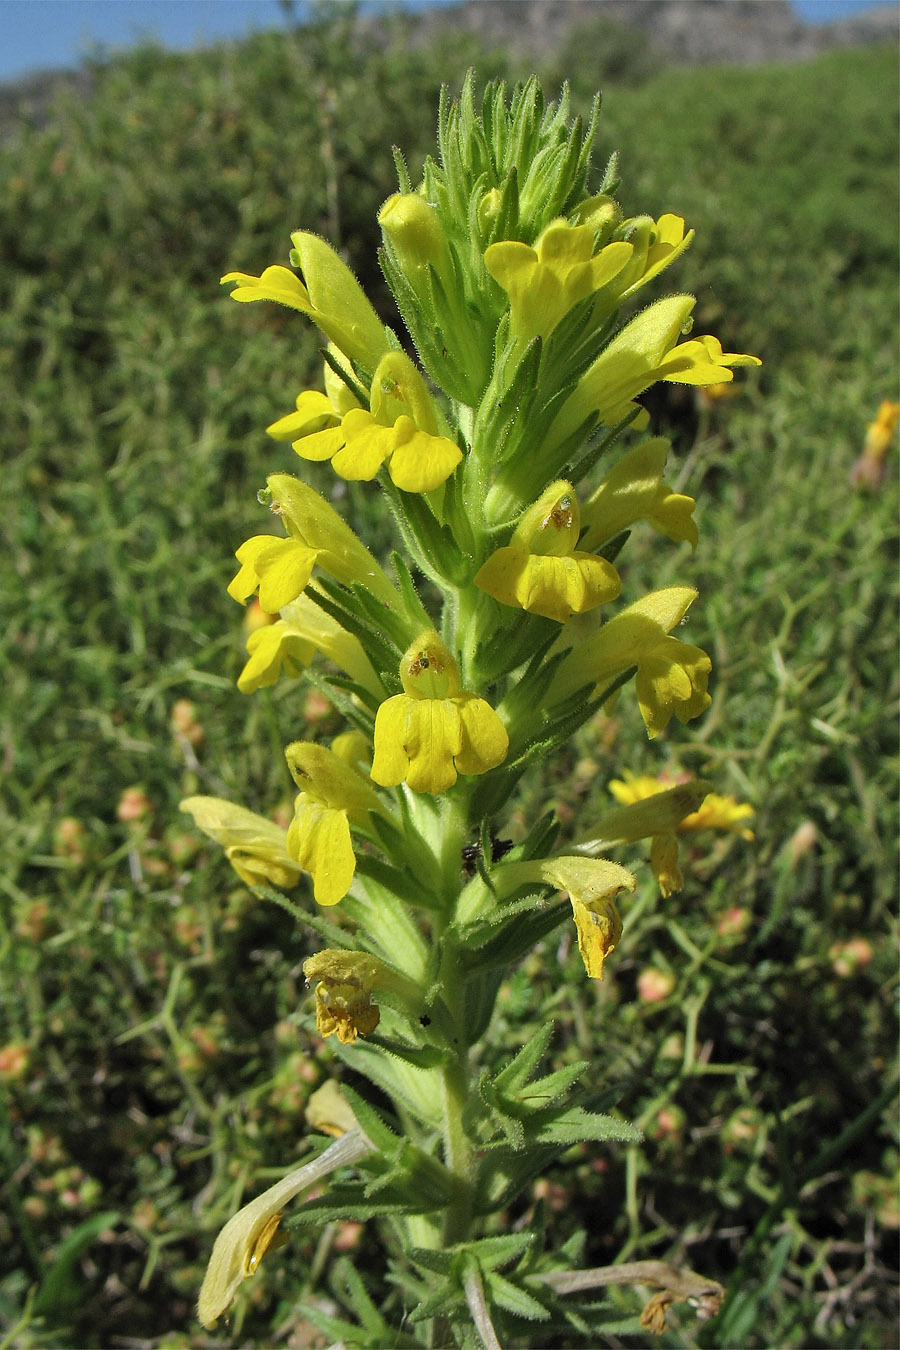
{"points": [[455, 1085]]}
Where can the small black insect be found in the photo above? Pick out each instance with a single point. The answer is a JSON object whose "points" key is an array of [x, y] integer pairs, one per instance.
{"points": [[472, 852]]}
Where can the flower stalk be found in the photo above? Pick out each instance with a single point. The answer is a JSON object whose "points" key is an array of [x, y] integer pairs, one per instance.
{"points": [[511, 459]]}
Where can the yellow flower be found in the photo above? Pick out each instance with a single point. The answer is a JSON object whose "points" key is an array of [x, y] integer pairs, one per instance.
{"points": [[333, 794], [540, 570], [277, 649], [880, 433], [289, 645], [671, 675], [253, 1231], [650, 799], [591, 884], [646, 350], [434, 731], [331, 297], [719, 813], [329, 1111], [655, 244], [543, 283], [401, 430], [414, 230], [316, 411], [281, 568], [255, 847], [868, 470], [634, 490], [278, 569], [344, 992]]}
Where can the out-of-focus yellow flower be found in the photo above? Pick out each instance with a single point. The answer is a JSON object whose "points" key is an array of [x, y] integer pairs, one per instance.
{"points": [[347, 981], [634, 490], [715, 812], [868, 470], [434, 731], [712, 395], [255, 847], [671, 675], [331, 297], [253, 1231], [719, 813], [543, 283], [333, 794], [401, 430], [540, 570]]}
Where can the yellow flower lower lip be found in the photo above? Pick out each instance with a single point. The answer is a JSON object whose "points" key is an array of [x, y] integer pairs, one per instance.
{"points": [[427, 742]]}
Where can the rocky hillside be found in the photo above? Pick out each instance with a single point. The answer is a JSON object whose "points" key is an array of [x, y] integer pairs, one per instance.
{"points": [[746, 32]]}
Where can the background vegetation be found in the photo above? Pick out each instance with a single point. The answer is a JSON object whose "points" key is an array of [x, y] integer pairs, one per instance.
{"points": [[156, 1045]]}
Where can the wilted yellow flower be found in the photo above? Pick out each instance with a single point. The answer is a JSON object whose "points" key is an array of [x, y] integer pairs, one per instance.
{"points": [[541, 571], [255, 847], [591, 884], [253, 1231], [344, 992], [434, 731]]}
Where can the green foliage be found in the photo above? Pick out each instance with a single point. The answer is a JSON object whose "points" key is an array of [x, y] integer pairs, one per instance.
{"points": [[158, 1051]]}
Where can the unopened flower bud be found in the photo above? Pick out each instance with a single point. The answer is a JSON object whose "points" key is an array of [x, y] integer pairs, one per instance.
{"points": [[414, 230]]}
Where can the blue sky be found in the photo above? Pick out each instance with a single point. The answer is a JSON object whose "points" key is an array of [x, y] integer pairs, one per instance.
{"points": [[39, 34]]}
